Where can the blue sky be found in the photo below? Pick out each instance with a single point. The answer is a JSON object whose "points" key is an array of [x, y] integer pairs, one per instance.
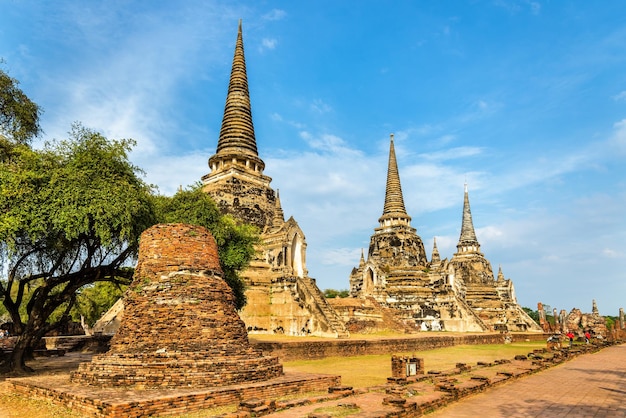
{"points": [[523, 100]]}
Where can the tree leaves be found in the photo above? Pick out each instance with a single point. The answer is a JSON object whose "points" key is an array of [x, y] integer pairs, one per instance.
{"points": [[70, 215], [19, 116], [97, 191]]}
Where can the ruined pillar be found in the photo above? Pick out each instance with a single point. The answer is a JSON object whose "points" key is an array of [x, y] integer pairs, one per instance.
{"points": [[562, 319], [542, 318], [556, 318]]}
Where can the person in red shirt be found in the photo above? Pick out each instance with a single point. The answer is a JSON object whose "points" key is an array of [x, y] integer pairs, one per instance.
{"points": [[570, 335]]}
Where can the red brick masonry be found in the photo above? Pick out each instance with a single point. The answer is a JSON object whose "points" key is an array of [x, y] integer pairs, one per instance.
{"points": [[180, 326]]}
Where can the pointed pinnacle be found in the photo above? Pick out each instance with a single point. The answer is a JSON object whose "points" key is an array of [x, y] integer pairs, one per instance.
{"points": [[394, 202]]}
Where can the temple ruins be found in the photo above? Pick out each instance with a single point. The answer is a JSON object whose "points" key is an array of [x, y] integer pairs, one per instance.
{"points": [[395, 287], [592, 322], [577, 322], [460, 294]]}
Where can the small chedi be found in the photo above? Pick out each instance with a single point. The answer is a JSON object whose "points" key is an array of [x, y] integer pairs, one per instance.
{"points": [[180, 327], [460, 294]]}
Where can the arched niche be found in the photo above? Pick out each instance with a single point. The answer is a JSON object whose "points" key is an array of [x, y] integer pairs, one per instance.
{"points": [[369, 279], [297, 256]]}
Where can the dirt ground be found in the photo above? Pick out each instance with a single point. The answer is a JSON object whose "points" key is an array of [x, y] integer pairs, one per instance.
{"points": [[14, 406]]}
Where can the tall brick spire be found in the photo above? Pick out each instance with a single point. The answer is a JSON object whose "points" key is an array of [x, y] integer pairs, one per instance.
{"points": [[467, 240], [237, 143], [394, 211]]}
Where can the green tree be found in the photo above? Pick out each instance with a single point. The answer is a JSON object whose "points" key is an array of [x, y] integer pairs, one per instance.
{"points": [[610, 321], [94, 300], [333, 293], [19, 116], [532, 313], [235, 240], [70, 215], [70, 219]]}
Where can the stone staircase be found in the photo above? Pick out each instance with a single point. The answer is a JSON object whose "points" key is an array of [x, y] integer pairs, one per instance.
{"points": [[391, 318], [311, 293], [467, 310], [485, 301], [488, 304]]}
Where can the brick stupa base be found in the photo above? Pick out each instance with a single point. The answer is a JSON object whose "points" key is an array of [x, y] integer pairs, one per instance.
{"points": [[180, 327], [109, 402]]}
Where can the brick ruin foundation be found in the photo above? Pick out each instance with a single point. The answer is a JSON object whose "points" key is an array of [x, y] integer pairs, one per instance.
{"points": [[403, 367], [180, 327]]}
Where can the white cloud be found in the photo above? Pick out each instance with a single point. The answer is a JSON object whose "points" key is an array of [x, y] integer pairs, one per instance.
{"points": [[329, 143], [268, 43], [126, 89], [128, 74], [342, 257], [489, 233], [169, 172], [611, 253], [621, 96], [478, 110], [275, 14], [618, 139], [319, 106]]}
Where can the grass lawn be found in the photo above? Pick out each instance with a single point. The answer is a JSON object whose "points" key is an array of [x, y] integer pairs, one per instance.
{"points": [[373, 370]]}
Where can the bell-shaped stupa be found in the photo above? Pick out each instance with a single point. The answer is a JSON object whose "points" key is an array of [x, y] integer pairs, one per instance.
{"points": [[180, 327]]}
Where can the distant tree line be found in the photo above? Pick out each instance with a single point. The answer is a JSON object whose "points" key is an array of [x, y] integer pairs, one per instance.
{"points": [[332, 293]]}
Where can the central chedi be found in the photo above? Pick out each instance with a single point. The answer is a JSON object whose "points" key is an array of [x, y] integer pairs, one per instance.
{"points": [[180, 327], [282, 297]]}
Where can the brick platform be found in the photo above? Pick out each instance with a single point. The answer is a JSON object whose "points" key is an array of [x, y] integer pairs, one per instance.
{"points": [[127, 403]]}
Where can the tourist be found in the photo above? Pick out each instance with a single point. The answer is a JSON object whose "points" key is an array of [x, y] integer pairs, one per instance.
{"points": [[587, 337], [570, 335]]}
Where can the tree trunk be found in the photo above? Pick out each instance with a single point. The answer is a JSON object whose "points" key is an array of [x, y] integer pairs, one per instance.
{"points": [[15, 362]]}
